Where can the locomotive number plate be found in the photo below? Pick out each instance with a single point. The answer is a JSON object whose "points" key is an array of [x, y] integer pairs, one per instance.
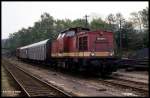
{"points": [[100, 38]]}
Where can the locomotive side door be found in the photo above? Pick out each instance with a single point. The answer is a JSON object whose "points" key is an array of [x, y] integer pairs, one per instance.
{"points": [[82, 45]]}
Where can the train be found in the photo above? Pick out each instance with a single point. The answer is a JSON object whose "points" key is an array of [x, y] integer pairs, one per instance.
{"points": [[75, 48]]}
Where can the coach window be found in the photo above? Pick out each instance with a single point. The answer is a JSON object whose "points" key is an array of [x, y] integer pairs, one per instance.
{"points": [[26, 51]]}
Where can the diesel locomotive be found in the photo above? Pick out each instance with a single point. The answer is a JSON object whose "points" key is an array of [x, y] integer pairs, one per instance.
{"points": [[75, 48]]}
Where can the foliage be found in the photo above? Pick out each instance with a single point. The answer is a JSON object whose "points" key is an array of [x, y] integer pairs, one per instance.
{"points": [[125, 31]]}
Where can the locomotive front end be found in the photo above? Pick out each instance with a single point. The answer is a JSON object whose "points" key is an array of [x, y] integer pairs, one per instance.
{"points": [[96, 44], [80, 48], [97, 49]]}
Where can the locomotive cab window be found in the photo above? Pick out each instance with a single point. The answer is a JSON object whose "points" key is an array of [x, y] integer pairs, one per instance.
{"points": [[61, 36], [83, 43], [70, 33]]}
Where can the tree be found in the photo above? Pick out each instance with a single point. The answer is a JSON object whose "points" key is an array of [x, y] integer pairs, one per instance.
{"points": [[136, 20], [111, 21], [120, 22], [140, 19], [78, 23], [44, 28], [127, 35], [144, 17], [125, 31], [98, 24]]}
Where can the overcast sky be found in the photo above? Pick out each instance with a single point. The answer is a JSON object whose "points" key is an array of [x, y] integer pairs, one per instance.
{"points": [[16, 15]]}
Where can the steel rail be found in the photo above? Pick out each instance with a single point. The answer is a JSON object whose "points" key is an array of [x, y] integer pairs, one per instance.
{"points": [[35, 78], [125, 84]]}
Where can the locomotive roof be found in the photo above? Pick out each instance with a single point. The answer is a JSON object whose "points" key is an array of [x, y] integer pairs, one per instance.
{"points": [[76, 29], [35, 44]]}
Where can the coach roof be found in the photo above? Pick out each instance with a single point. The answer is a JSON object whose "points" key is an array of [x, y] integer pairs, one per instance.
{"points": [[35, 44]]}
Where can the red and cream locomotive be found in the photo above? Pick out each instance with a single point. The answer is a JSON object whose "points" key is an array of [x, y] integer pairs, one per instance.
{"points": [[75, 48]]}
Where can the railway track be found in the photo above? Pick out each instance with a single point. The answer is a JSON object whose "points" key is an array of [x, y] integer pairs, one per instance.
{"points": [[32, 85], [127, 84], [140, 88], [143, 84], [140, 64]]}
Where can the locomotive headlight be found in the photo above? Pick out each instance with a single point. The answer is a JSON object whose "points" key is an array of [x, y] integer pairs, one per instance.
{"points": [[111, 53], [92, 54]]}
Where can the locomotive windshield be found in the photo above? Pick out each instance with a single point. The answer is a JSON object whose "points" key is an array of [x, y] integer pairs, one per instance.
{"points": [[67, 34], [70, 33], [61, 35]]}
